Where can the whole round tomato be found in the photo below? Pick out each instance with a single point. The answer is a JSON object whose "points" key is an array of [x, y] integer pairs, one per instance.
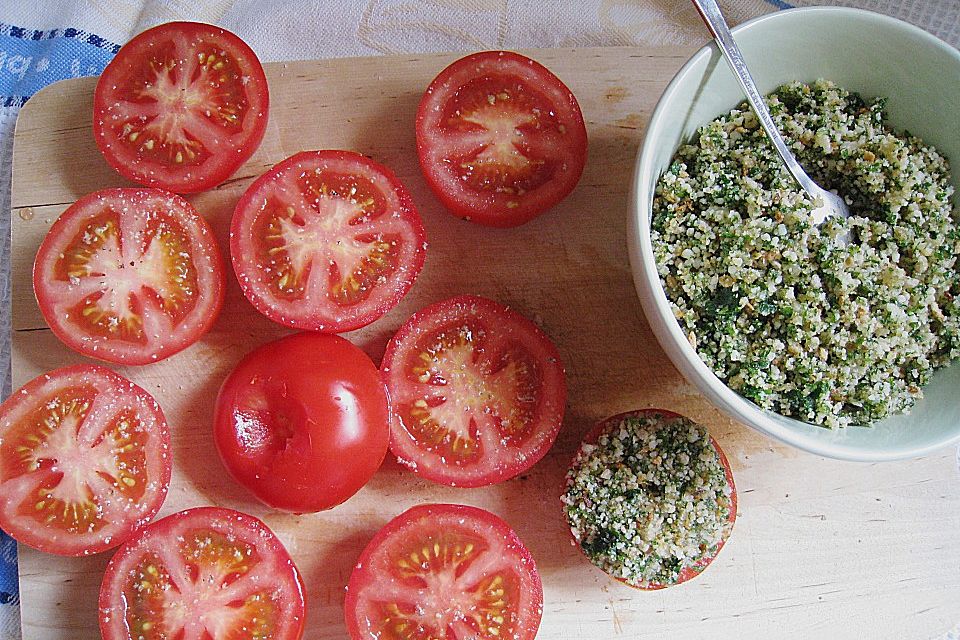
{"points": [[444, 572], [500, 138], [181, 107], [129, 276], [326, 241], [84, 460], [303, 422], [207, 573]]}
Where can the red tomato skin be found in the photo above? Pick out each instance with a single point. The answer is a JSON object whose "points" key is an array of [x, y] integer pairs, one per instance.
{"points": [[353, 321], [492, 215], [102, 350], [230, 161], [363, 566], [687, 573], [29, 390], [556, 389], [106, 601], [338, 415]]}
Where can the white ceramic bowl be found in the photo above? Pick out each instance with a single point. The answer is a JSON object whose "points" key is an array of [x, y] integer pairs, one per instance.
{"points": [[861, 51]]}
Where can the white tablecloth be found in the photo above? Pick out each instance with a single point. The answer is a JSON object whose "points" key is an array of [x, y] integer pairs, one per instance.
{"points": [[42, 41]]}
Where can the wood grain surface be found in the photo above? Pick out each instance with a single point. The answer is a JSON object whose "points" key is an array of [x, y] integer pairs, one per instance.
{"points": [[821, 548]]}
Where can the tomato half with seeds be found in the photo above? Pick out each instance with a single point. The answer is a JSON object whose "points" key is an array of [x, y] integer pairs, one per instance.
{"points": [[181, 107], [207, 573], [84, 460], [303, 421], [477, 391], [327, 241], [444, 572], [129, 276], [500, 138]]}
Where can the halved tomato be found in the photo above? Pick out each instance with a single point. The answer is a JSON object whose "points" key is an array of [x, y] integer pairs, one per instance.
{"points": [[500, 138], [477, 390], [326, 240], [181, 107], [84, 460], [207, 574], [129, 275], [444, 572]]}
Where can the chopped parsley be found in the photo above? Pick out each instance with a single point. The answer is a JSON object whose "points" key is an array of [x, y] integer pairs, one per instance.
{"points": [[649, 499], [782, 310]]}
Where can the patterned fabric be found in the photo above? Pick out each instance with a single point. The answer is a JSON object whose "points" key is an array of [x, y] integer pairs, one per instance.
{"points": [[43, 41], [939, 17], [953, 634]]}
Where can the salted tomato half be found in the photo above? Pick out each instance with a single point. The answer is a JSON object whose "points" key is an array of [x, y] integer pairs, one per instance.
{"points": [[500, 138], [478, 392], [444, 572], [207, 573], [84, 460], [327, 241], [181, 107], [129, 276]]}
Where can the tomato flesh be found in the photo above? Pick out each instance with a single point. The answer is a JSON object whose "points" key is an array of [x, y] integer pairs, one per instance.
{"points": [[478, 392], [326, 240], [303, 422], [442, 572], [181, 107], [208, 573], [503, 115], [84, 460], [129, 275], [500, 138], [507, 388]]}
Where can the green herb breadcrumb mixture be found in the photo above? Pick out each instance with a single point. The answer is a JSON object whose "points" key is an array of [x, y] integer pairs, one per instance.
{"points": [[650, 499], [783, 312]]}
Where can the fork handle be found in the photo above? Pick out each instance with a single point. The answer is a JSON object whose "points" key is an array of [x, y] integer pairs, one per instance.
{"points": [[710, 12]]}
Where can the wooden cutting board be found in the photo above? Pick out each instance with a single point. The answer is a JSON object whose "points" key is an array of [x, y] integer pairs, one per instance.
{"points": [[837, 549]]}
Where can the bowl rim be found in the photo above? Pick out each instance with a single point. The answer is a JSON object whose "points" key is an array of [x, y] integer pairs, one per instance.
{"points": [[654, 301]]}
